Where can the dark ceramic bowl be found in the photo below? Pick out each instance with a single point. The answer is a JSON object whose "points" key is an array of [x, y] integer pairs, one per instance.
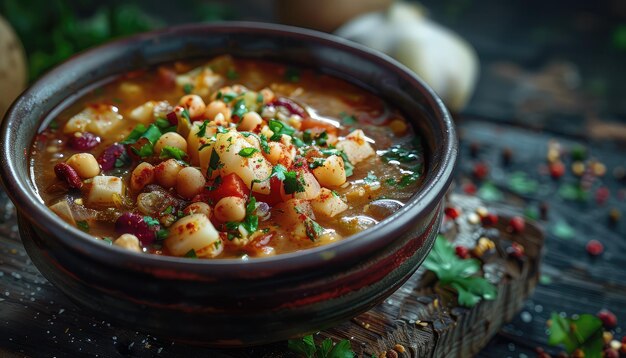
{"points": [[230, 302]]}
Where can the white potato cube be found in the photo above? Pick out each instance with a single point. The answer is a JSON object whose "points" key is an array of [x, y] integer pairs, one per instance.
{"points": [[105, 191], [328, 204], [194, 232], [356, 147]]}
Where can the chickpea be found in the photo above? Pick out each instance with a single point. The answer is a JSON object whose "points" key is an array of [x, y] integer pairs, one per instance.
{"points": [[398, 127], [141, 176], [189, 182], [129, 242], [85, 165], [194, 105], [166, 173], [250, 121], [170, 139], [198, 208], [216, 107], [230, 208]]}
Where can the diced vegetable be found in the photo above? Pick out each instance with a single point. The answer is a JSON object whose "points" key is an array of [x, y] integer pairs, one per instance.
{"points": [[194, 232], [356, 147], [328, 204], [105, 191]]}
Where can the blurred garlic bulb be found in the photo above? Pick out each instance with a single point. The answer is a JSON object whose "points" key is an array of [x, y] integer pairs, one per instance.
{"points": [[443, 59], [12, 66]]}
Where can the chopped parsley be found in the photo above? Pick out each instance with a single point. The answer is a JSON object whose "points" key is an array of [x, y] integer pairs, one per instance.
{"points": [[279, 171], [347, 119], [145, 150], [349, 168], [123, 160], [259, 97], [83, 225], [247, 152], [108, 240], [313, 229], [191, 254], [172, 152], [202, 129], [188, 88], [214, 163], [317, 162], [292, 74], [402, 154], [162, 234], [227, 97], [404, 181], [185, 115], [370, 178], [232, 74], [293, 183], [279, 128], [240, 109], [164, 125], [264, 145], [150, 221]]}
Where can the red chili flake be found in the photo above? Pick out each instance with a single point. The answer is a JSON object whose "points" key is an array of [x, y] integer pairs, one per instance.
{"points": [[462, 252], [172, 118], [469, 188], [66, 173], [480, 171], [516, 250], [602, 195], [608, 318], [557, 169], [517, 224], [490, 219], [594, 247], [452, 213]]}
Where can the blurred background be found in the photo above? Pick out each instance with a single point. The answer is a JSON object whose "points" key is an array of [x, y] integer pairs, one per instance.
{"points": [[571, 48]]}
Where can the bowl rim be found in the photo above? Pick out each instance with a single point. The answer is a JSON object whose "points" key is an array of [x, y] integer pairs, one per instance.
{"points": [[29, 204]]}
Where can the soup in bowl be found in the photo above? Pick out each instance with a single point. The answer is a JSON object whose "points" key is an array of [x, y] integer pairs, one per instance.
{"points": [[228, 184]]}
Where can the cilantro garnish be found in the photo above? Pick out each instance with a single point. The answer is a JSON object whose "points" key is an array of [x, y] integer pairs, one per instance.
{"points": [[459, 273], [401, 154], [306, 347], [150, 221], [279, 172], [370, 178], [164, 125], [313, 229], [279, 128], [185, 115], [168, 210], [251, 222], [135, 134], [214, 163], [404, 181], [232, 74], [293, 182], [187, 88], [172, 152], [259, 97], [228, 97], [108, 240], [347, 119], [264, 145], [83, 225], [202, 129], [123, 160], [247, 152], [146, 150], [347, 165], [317, 162], [292, 74], [191, 254], [583, 332], [240, 109]]}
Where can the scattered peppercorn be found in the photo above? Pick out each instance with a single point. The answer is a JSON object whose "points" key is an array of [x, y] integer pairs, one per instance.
{"points": [[516, 250], [480, 171], [543, 210], [507, 156], [469, 188], [594, 248], [578, 168], [473, 218], [474, 148], [578, 354], [557, 169], [598, 169], [452, 213], [490, 219], [482, 246], [602, 195], [608, 318], [462, 252], [614, 215], [517, 224], [607, 337]]}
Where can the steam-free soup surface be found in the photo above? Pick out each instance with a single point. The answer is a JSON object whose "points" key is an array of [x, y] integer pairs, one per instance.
{"points": [[226, 158]]}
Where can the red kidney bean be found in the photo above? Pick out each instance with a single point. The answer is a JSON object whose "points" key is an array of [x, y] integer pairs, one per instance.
{"points": [[85, 141], [131, 223], [66, 173], [109, 156]]}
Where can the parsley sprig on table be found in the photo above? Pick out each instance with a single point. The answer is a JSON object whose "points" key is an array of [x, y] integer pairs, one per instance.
{"points": [[306, 347], [459, 274], [582, 332]]}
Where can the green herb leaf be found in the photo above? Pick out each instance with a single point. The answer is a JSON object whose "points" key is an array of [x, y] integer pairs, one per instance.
{"points": [[135, 134], [279, 128], [228, 97], [279, 172], [172, 152], [239, 109], [185, 115], [150, 221], [145, 151], [293, 183], [83, 225], [202, 130], [191, 254], [152, 134], [164, 125], [188, 88], [347, 119], [123, 160], [371, 178], [582, 332], [214, 163], [247, 152], [264, 145], [347, 165], [304, 346], [292, 74], [313, 229], [231, 74], [162, 234], [458, 273]]}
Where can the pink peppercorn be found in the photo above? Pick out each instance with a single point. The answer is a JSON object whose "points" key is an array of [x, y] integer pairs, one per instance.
{"points": [[594, 247], [517, 224], [608, 318]]}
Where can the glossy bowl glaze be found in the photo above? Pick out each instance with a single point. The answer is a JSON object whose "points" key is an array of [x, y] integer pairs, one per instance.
{"points": [[230, 302]]}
